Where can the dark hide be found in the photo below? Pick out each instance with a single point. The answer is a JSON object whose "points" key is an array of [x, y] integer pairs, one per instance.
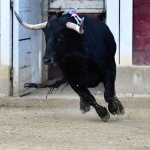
{"points": [[85, 60]]}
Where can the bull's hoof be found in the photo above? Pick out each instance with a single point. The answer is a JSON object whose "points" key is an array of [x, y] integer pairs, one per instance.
{"points": [[115, 107], [103, 113], [85, 109], [84, 106]]}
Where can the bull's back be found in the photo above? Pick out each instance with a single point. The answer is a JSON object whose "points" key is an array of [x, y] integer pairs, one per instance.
{"points": [[99, 40]]}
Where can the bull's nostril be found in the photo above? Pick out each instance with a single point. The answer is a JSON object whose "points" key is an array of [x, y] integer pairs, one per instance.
{"points": [[46, 61]]}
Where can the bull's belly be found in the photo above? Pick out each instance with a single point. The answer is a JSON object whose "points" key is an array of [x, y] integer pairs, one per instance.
{"points": [[86, 78], [81, 71], [89, 80]]}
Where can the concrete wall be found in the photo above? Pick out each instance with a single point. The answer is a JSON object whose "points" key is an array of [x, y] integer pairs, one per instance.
{"points": [[133, 80]]}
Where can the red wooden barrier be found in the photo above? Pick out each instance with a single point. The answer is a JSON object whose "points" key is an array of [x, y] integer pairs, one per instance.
{"points": [[141, 32]]}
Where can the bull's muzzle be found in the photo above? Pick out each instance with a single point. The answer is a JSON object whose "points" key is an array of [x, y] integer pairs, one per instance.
{"points": [[48, 61]]}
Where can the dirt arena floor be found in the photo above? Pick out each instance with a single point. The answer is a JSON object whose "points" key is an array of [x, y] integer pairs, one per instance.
{"points": [[31, 123]]}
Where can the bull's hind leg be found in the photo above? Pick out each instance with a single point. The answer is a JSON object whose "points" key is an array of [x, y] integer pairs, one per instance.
{"points": [[114, 105], [89, 100]]}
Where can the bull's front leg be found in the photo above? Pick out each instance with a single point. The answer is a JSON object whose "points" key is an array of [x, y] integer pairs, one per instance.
{"points": [[84, 105], [114, 105], [87, 100]]}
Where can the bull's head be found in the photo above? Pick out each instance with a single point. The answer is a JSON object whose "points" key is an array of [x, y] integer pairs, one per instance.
{"points": [[54, 31]]}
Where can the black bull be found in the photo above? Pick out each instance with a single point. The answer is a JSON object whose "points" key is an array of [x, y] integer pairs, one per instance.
{"points": [[85, 54]]}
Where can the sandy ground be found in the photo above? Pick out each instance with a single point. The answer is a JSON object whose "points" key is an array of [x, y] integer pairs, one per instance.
{"points": [[31, 123]]}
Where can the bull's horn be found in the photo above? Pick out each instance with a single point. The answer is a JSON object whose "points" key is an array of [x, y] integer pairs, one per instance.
{"points": [[30, 26], [75, 27], [81, 25]]}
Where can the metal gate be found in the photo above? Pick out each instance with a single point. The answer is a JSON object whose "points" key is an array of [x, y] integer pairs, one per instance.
{"points": [[27, 46]]}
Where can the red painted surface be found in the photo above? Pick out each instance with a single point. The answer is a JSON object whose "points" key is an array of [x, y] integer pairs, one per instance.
{"points": [[141, 32], [142, 43], [142, 28]]}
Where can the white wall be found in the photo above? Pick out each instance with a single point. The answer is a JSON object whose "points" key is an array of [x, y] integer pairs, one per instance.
{"points": [[0, 32], [113, 22], [6, 32], [126, 32], [120, 21], [5, 47]]}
